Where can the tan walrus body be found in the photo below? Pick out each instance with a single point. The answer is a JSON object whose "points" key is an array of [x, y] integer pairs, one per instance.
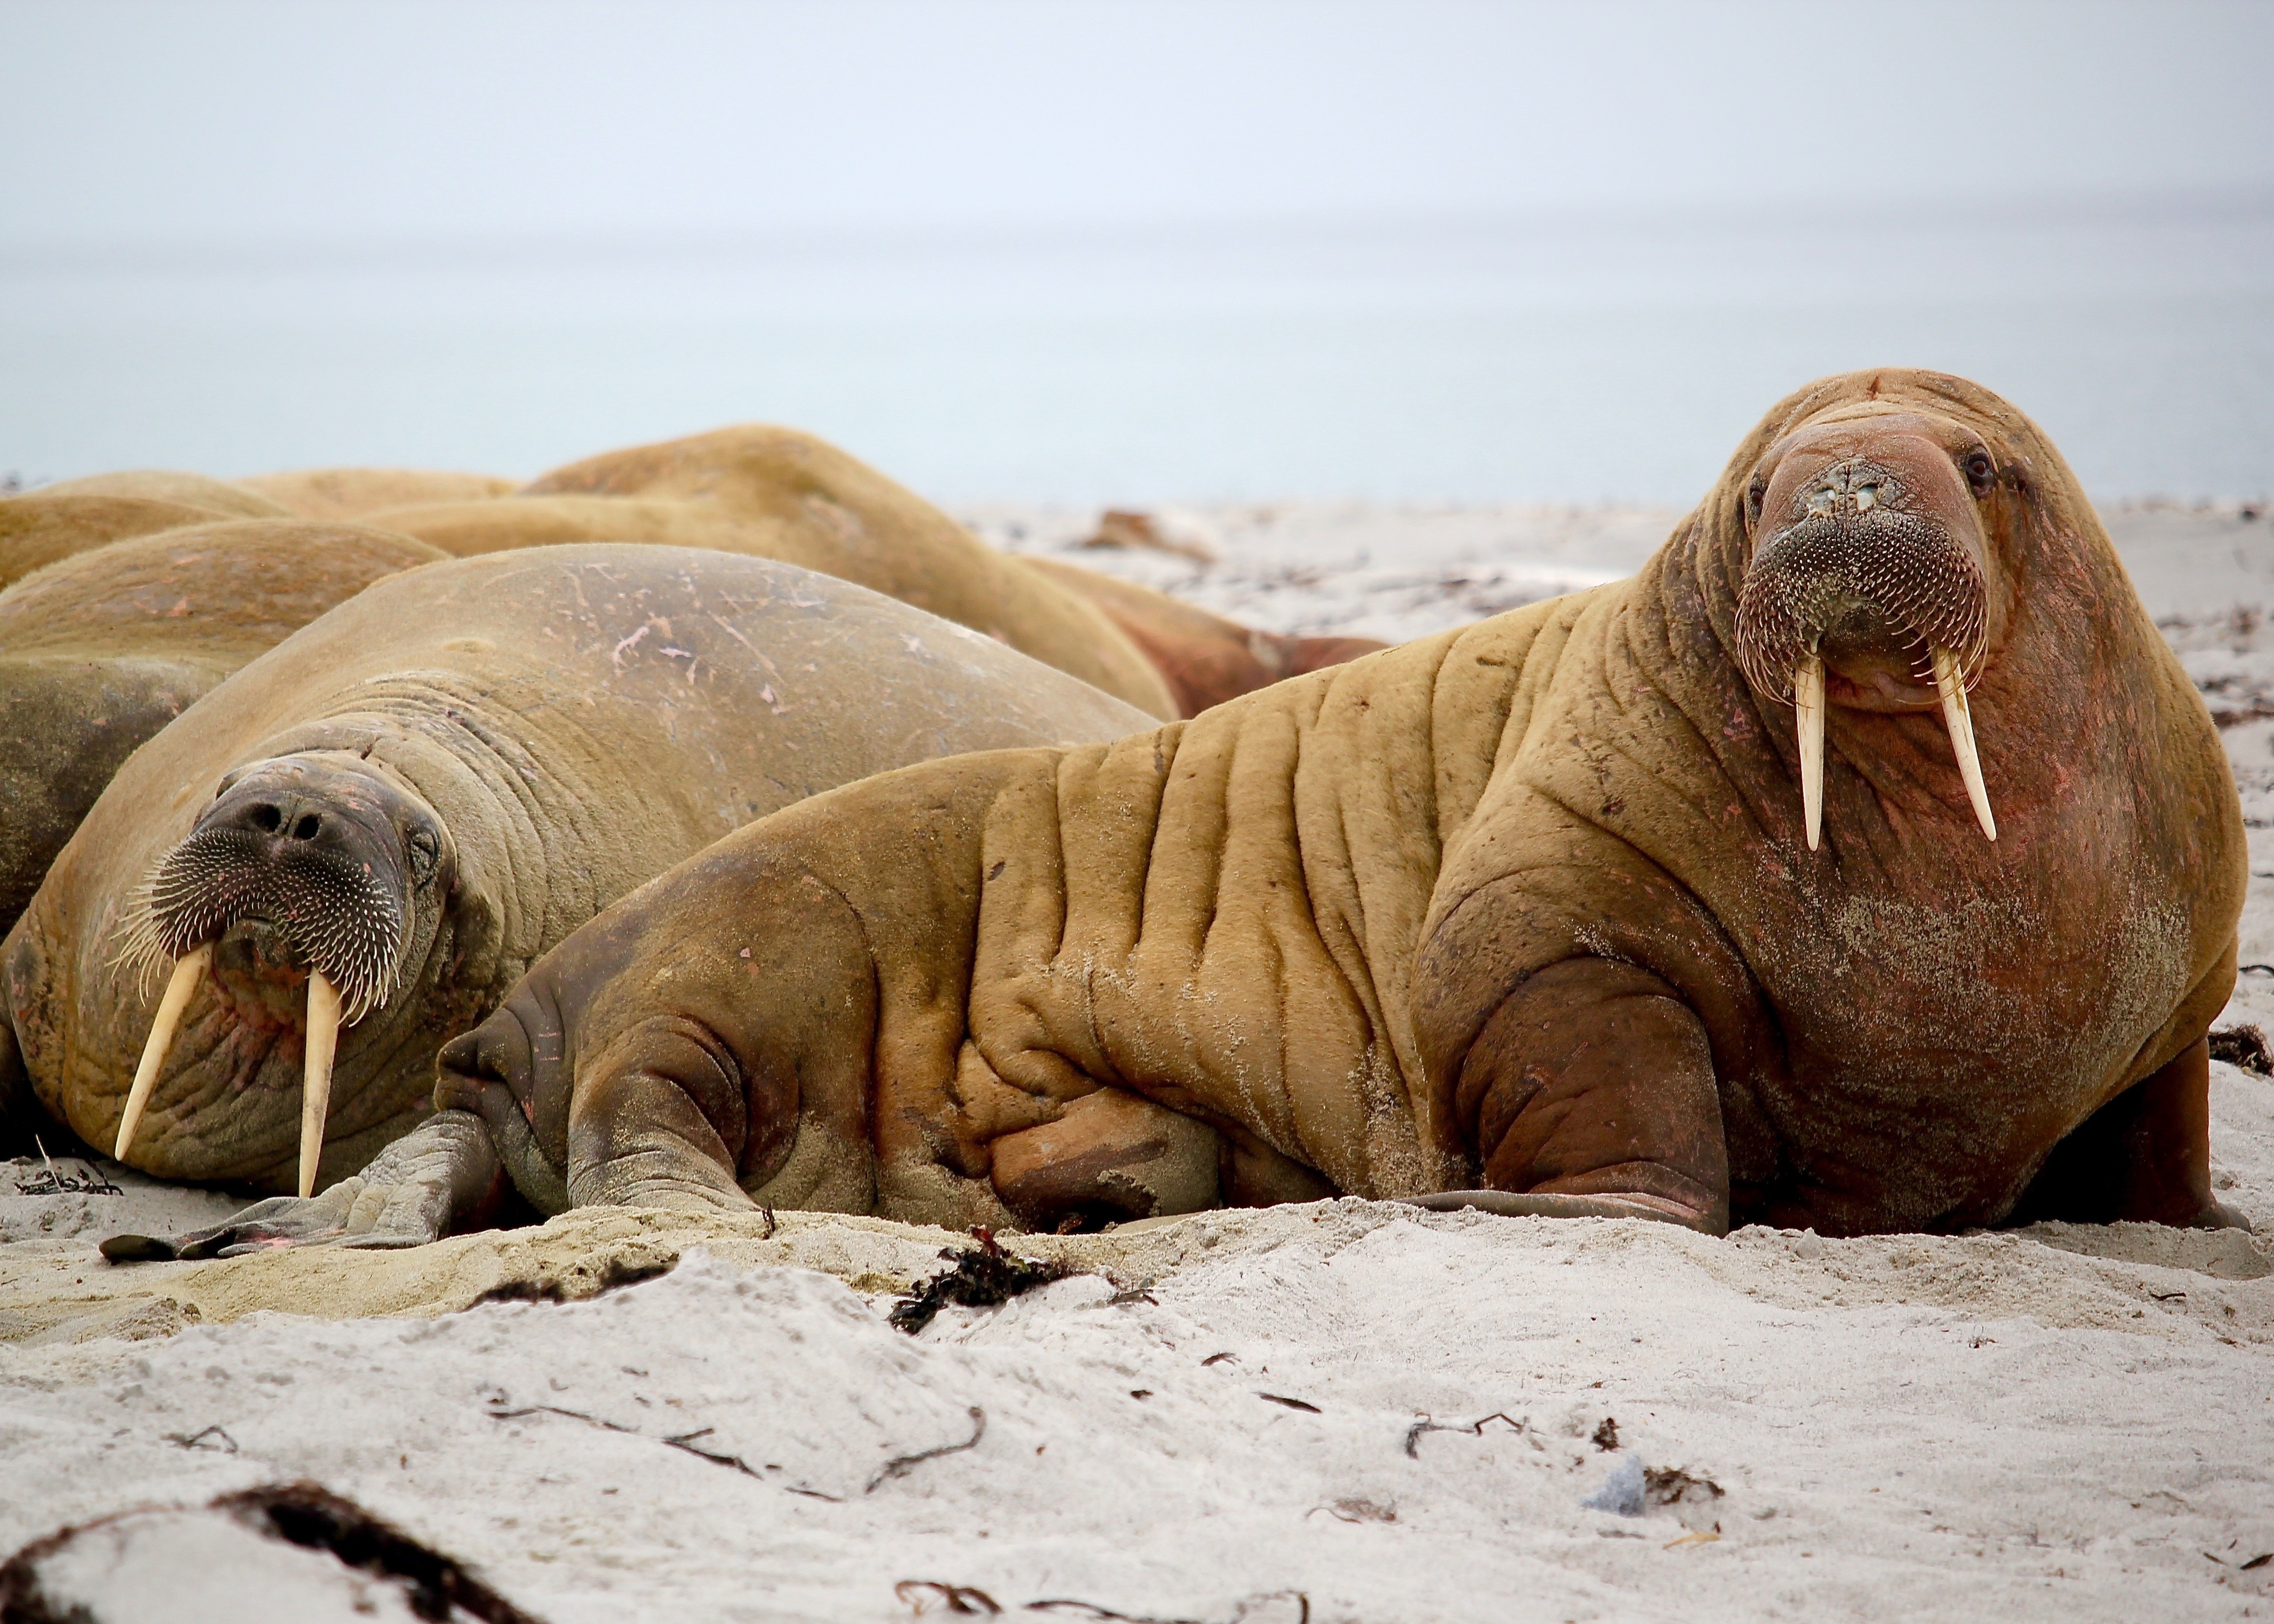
{"points": [[98, 651], [775, 493], [56, 522], [1531, 906], [372, 829], [354, 493]]}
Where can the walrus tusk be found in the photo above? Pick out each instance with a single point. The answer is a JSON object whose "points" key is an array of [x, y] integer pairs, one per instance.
{"points": [[1950, 682], [1808, 702], [188, 973], [316, 1074]]}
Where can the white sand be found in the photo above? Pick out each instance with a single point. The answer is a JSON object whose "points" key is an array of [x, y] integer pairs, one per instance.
{"points": [[2060, 1423]]}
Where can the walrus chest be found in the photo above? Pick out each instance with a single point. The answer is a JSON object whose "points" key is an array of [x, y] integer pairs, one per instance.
{"points": [[1939, 1048]]}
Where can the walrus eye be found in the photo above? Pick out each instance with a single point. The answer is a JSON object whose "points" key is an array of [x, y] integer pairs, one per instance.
{"points": [[1981, 472], [426, 849], [1754, 494]]}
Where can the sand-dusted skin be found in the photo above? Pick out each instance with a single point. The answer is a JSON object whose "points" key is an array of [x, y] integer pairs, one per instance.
{"points": [[1206, 658], [56, 522], [1531, 907], [355, 493], [98, 651], [407, 801]]}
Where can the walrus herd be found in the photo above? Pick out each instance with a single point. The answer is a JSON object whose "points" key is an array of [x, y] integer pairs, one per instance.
{"points": [[1866, 863]]}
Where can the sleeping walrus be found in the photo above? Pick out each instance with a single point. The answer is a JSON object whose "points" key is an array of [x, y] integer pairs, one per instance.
{"points": [[102, 649], [367, 834], [56, 522], [780, 493], [1867, 863], [776, 492]]}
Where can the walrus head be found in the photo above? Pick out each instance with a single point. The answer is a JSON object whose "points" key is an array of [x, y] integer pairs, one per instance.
{"points": [[303, 890], [1871, 583]]}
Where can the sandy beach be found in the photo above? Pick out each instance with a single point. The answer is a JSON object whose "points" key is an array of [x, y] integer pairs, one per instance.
{"points": [[1342, 1411]]}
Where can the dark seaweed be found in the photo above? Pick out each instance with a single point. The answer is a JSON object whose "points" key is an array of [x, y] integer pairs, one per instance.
{"points": [[981, 1278], [434, 1586], [614, 1274], [2244, 1047]]}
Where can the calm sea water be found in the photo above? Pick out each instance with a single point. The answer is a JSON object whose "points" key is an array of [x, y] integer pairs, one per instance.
{"points": [[1570, 360]]}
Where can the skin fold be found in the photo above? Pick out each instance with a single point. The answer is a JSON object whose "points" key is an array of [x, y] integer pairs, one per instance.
{"points": [[489, 750], [1527, 906]]}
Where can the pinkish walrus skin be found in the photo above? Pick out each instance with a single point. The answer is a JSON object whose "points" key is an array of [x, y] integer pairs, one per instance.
{"points": [[1525, 915]]}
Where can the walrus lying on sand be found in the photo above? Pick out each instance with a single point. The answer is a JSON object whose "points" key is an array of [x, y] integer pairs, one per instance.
{"points": [[1867, 863], [58, 522], [368, 833], [776, 492], [101, 650]]}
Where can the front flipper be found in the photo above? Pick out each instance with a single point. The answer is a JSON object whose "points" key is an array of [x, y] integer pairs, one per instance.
{"points": [[441, 1176], [2144, 1157], [1589, 1091], [1536, 1205]]}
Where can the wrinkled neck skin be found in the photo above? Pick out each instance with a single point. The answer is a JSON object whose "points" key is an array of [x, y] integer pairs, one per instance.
{"points": [[1950, 1003]]}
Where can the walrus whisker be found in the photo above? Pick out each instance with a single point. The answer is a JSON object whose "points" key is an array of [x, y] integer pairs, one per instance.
{"points": [[188, 973], [1950, 681], [316, 1074], [1808, 706]]}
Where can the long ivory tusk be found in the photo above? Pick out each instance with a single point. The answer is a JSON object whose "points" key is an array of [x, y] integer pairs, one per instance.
{"points": [[1950, 682], [1808, 701], [316, 1075], [188, 973]]}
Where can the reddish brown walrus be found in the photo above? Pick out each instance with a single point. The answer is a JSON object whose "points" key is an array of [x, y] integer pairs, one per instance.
{"points": [[1205, 658], [1531, 905]]}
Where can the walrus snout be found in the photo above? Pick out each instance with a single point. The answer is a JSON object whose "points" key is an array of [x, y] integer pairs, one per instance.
{"points": [[328, 854], [305, 867], [1869, 585]]}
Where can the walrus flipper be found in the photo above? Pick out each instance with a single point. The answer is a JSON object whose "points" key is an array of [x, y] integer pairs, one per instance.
{"points": [[440, 1178], [2144, 1157], [1594, 1079]]}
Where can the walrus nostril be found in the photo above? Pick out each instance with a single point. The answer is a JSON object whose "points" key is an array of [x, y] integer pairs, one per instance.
{"points": [[306, 828], [264, 817]]}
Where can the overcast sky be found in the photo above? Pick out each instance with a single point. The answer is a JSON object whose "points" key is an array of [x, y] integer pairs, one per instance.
{"points": [[188, 121]]}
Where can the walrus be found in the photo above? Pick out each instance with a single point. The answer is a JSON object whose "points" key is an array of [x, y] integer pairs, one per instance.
{"points": [[1205, 658], [1866, 864], [352, 492], [780, 493], [55, 522], [364, 836], [1197, 658], [98, 651]]}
